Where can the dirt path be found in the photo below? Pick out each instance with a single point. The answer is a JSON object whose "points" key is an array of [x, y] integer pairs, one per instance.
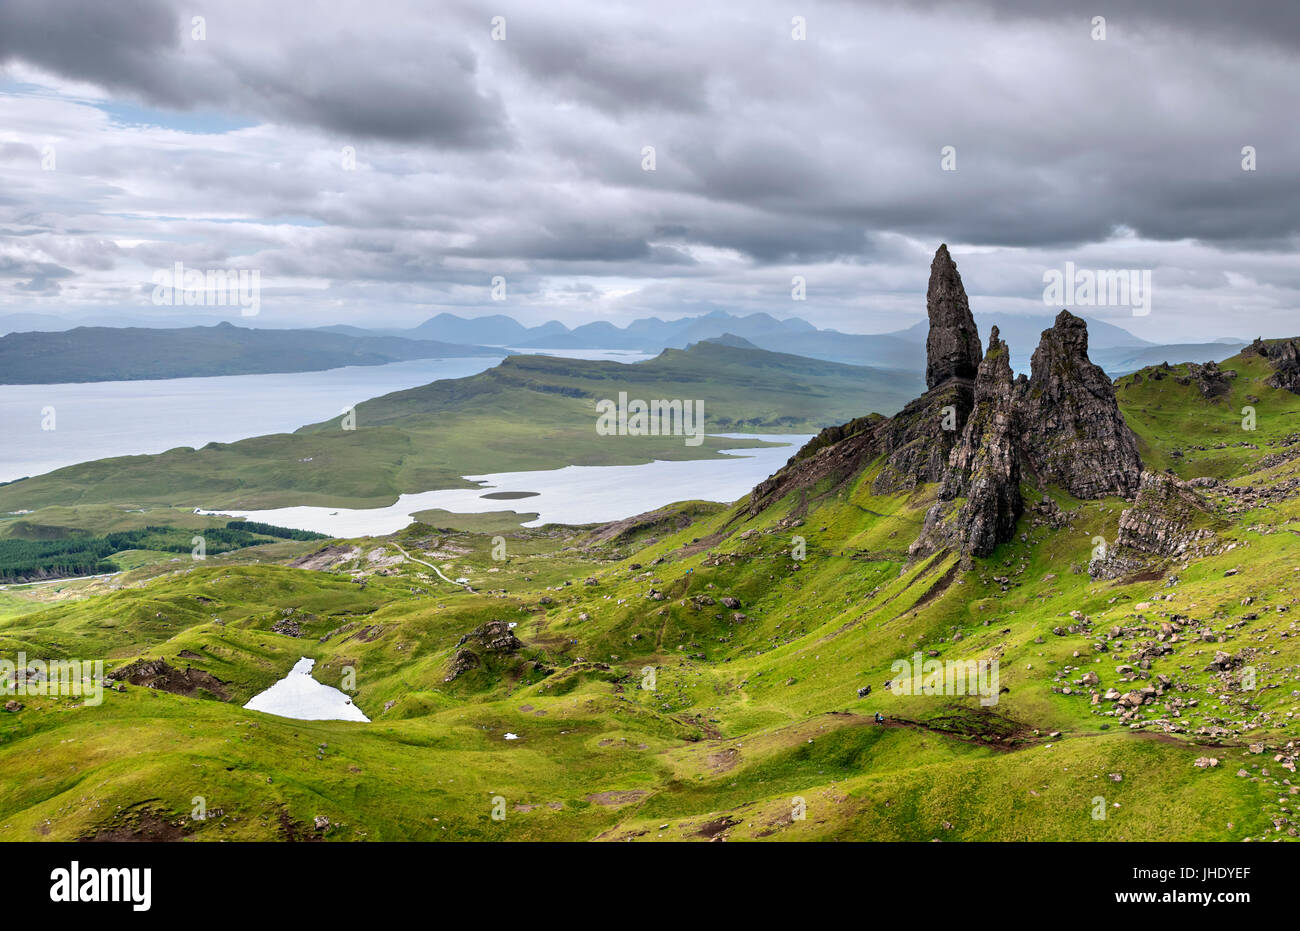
{"points": [[70, 578], [431, 566], [994, 741]]}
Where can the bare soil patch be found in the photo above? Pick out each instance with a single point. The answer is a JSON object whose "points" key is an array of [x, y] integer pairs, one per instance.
{"points": [[139, 823], [159, 674]]}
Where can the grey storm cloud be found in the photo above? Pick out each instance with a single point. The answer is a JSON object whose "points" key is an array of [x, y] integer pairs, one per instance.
{"points": [[39, 277], [385, 83], [1266, 22], [773, 156]]}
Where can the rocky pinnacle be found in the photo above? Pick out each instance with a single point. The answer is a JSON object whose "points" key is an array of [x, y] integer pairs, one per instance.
{"points": [[952, 350], [1075, 436], [979, 500], [977, 432]]}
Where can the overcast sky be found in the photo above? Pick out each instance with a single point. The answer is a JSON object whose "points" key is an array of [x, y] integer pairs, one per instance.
{"points": [[128, 144]]}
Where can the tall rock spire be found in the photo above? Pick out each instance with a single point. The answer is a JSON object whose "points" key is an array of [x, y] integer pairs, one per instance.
{"points": [[979, 501], [919, 438], [1075, 435], [978, 433], [952, 350]]}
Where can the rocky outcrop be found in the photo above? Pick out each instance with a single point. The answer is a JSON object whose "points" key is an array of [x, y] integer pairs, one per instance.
{"points": [[287, 626], [492, 638], [1167, 518], [952, 349], [328, 558], [979, 500], [975, 431], [1074, 435], [919, 437], [825, 468], [159, 674], [1210, 380], [916, 443], [1284, 356], [461, 662], [1163, 517], [917, 440]]}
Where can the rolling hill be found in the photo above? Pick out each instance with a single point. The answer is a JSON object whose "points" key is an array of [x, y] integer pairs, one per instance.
{"points": [[713, 672], [529, 412], [87, 354]]}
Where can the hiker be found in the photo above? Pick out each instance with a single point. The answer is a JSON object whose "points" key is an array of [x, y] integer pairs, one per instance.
{"points": [[880, 718]]}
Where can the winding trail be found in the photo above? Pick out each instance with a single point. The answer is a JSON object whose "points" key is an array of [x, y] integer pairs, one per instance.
{"points": [[431, 566], [69, 578]]}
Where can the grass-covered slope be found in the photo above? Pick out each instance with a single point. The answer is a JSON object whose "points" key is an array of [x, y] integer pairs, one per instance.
{"points": [[1220, 435], [647, 707]]}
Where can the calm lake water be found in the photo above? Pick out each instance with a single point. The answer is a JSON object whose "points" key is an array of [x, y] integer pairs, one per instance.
{"points": [[102, 419], [122, 418], [572, 495]]}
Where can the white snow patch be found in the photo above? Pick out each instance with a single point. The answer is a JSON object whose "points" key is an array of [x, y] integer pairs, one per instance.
{"points": [[300, 696]]}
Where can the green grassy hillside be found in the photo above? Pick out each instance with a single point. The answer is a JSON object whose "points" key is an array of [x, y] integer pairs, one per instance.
{"points": [[645, 707]]}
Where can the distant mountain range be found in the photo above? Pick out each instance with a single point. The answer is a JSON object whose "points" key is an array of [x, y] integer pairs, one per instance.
{"points": [[1113, 348], [87, 354]]}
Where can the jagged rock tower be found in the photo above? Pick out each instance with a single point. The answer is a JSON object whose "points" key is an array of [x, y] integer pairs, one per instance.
{"points": [[977, 433], [1075, 436], [919, 438], [952, 348], [983, 469]]}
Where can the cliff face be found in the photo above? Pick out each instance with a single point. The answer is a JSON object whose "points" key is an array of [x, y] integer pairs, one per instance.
{"points": [[1075, 436], [919, 437], [1167, 517], [976, 432], [979, 500]]}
